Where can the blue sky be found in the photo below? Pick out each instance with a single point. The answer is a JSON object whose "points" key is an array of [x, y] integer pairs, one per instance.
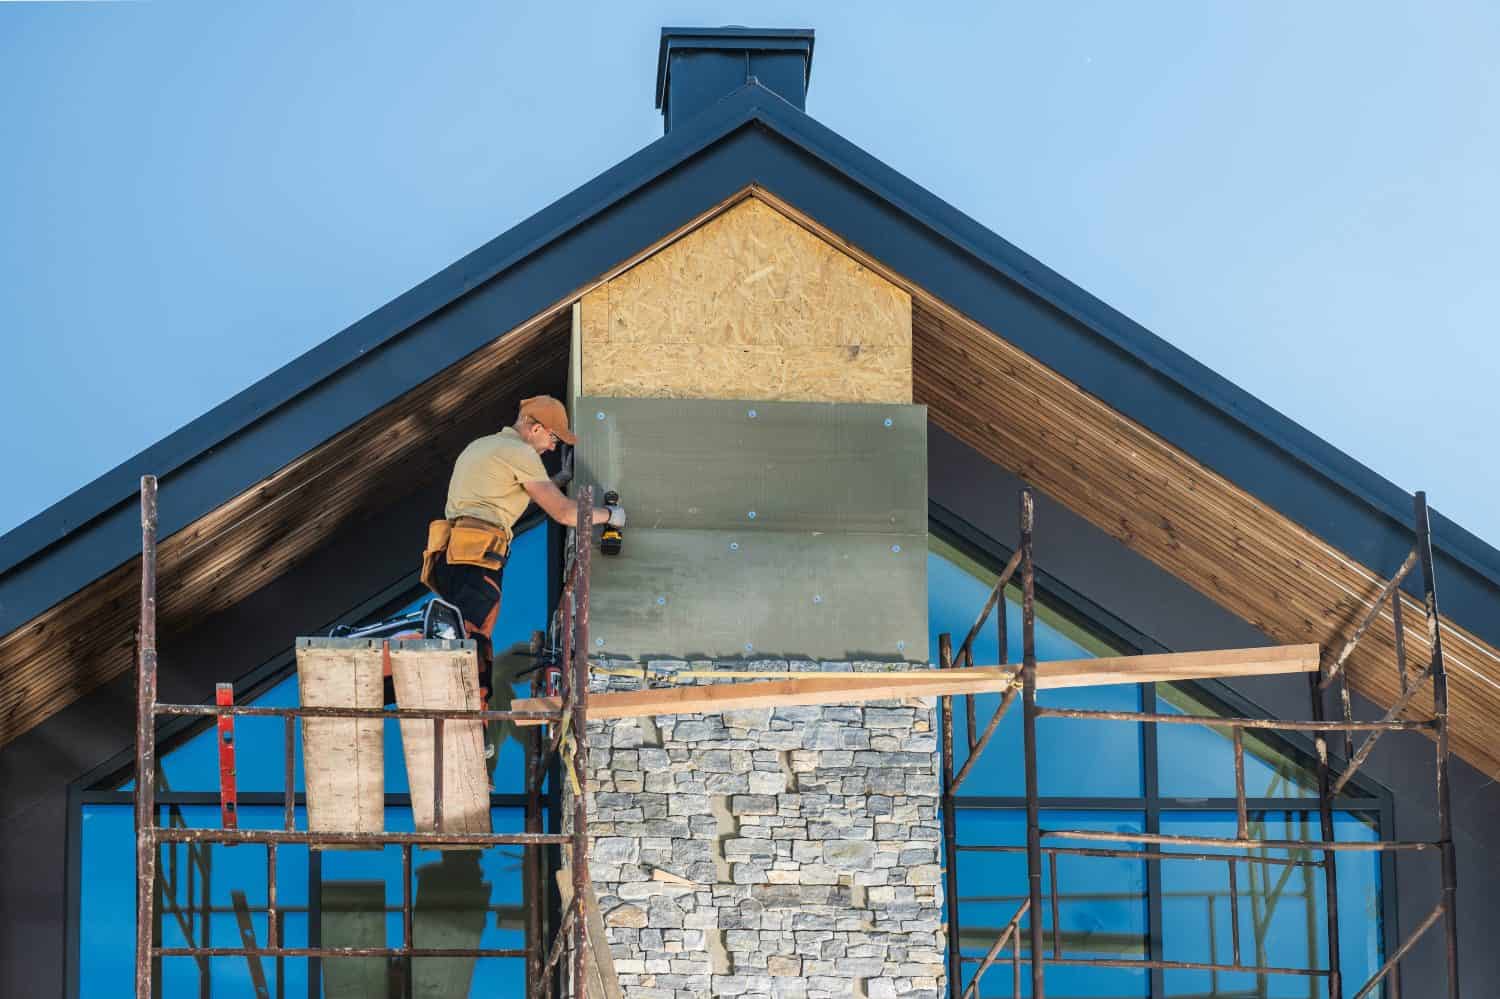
{"points": [[1302, 196]]}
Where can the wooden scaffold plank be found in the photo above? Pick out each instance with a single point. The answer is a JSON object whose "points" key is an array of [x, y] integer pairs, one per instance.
{"points": [[443, 679], [343, 759], [781, 690]]}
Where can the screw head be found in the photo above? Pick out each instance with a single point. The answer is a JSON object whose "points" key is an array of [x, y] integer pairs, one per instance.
{"points": [[752, 414], [900, 646], [599, 642], [889, 422], [734, 546], [599, 415], [751, 514], [896, 549], [661, 601], [817, 598], [749, 647]]}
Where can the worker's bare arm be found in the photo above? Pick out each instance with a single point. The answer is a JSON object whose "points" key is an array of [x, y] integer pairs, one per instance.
{"points": [[557, 506]]}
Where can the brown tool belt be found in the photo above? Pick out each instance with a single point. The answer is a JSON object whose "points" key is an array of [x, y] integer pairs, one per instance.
{"points": [[464, 541]]}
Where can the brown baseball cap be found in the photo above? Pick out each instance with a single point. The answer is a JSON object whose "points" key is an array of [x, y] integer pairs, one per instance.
{"points": [[551, 414]]}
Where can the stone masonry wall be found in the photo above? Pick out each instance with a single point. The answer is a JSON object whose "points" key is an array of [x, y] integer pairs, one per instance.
{"points": [[790, 853]]}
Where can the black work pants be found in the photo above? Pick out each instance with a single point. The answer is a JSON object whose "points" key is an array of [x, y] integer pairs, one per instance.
{"points": [[475, 591]]}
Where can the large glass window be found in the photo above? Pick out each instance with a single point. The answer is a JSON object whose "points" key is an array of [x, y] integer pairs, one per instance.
{"points": [[1128, 777], [1116, 776], [214, 895]]}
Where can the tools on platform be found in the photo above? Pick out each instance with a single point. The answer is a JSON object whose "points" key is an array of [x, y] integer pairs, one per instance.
{"points": [[612, 539]]}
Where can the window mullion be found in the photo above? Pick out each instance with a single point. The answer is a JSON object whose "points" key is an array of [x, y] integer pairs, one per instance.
{"points": [[1154, 914]]}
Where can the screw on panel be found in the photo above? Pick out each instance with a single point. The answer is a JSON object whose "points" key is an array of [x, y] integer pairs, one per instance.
{"points": [[751, 514], [896, 549], [734, 546], [599, 415], [817, 598], [752, 414], [900, 646], [661, 601], [889, 422], [749, 647], [599, 642]]}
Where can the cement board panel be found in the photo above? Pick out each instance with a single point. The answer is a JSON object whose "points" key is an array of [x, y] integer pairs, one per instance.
{"points": [[762, 594], [758, 466]]}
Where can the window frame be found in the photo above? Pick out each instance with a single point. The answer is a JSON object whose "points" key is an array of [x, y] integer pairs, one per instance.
{"points": [[1370, 798], [101, 784]]}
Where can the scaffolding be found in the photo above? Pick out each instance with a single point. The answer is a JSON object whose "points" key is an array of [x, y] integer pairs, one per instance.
{"points": [[544, 747], [1027, 922], [1022, 941]]}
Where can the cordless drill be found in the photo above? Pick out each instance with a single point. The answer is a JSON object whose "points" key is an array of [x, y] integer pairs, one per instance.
{"points": [[610, 539]]}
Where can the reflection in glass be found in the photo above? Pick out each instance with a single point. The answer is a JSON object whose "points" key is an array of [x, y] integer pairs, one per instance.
{"points": [[1094, 775], [212, 894], [1198, 761], [461, 899], [1101, 901], [1281, 906]]}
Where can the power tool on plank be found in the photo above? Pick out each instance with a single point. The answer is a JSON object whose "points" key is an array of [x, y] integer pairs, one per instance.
{"points": [[611, 538]]}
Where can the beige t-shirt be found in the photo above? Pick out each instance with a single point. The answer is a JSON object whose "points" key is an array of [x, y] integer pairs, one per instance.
{"points": [[488, 475]]}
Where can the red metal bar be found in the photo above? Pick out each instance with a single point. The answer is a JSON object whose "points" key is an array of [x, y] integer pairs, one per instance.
{"points": [[229, 816]]}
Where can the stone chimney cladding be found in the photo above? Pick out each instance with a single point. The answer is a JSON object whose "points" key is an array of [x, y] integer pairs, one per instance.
{"points": [[790, 852]]}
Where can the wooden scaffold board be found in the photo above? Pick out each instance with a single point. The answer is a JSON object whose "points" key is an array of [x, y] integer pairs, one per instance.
{"points": [[343, 759], [429, 677], [842, 688]]}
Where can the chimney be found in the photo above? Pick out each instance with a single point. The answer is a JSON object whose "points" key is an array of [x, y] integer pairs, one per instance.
{"points": [[697, 67]]}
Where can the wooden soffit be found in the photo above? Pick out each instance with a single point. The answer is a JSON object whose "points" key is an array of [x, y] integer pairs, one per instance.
{"points": [[88, 639], [1166, 506]]}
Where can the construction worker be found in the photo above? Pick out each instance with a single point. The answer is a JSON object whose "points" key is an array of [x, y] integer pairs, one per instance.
{"points": [[494, 480]]}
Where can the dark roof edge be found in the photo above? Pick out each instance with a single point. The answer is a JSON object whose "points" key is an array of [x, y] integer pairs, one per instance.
{"points": [[749, 104], [1130, 337], [121, 484]]}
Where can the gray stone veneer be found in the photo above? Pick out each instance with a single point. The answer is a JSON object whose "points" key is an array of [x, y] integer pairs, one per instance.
{"points": [[792, 852]]}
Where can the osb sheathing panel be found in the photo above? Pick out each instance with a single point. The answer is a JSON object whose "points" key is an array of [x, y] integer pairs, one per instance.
{"points": [[1165, 505], [750, 305], [250, 540]]}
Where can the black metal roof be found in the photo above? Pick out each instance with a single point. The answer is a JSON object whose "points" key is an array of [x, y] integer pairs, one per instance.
{"points": [[752, 136]]}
